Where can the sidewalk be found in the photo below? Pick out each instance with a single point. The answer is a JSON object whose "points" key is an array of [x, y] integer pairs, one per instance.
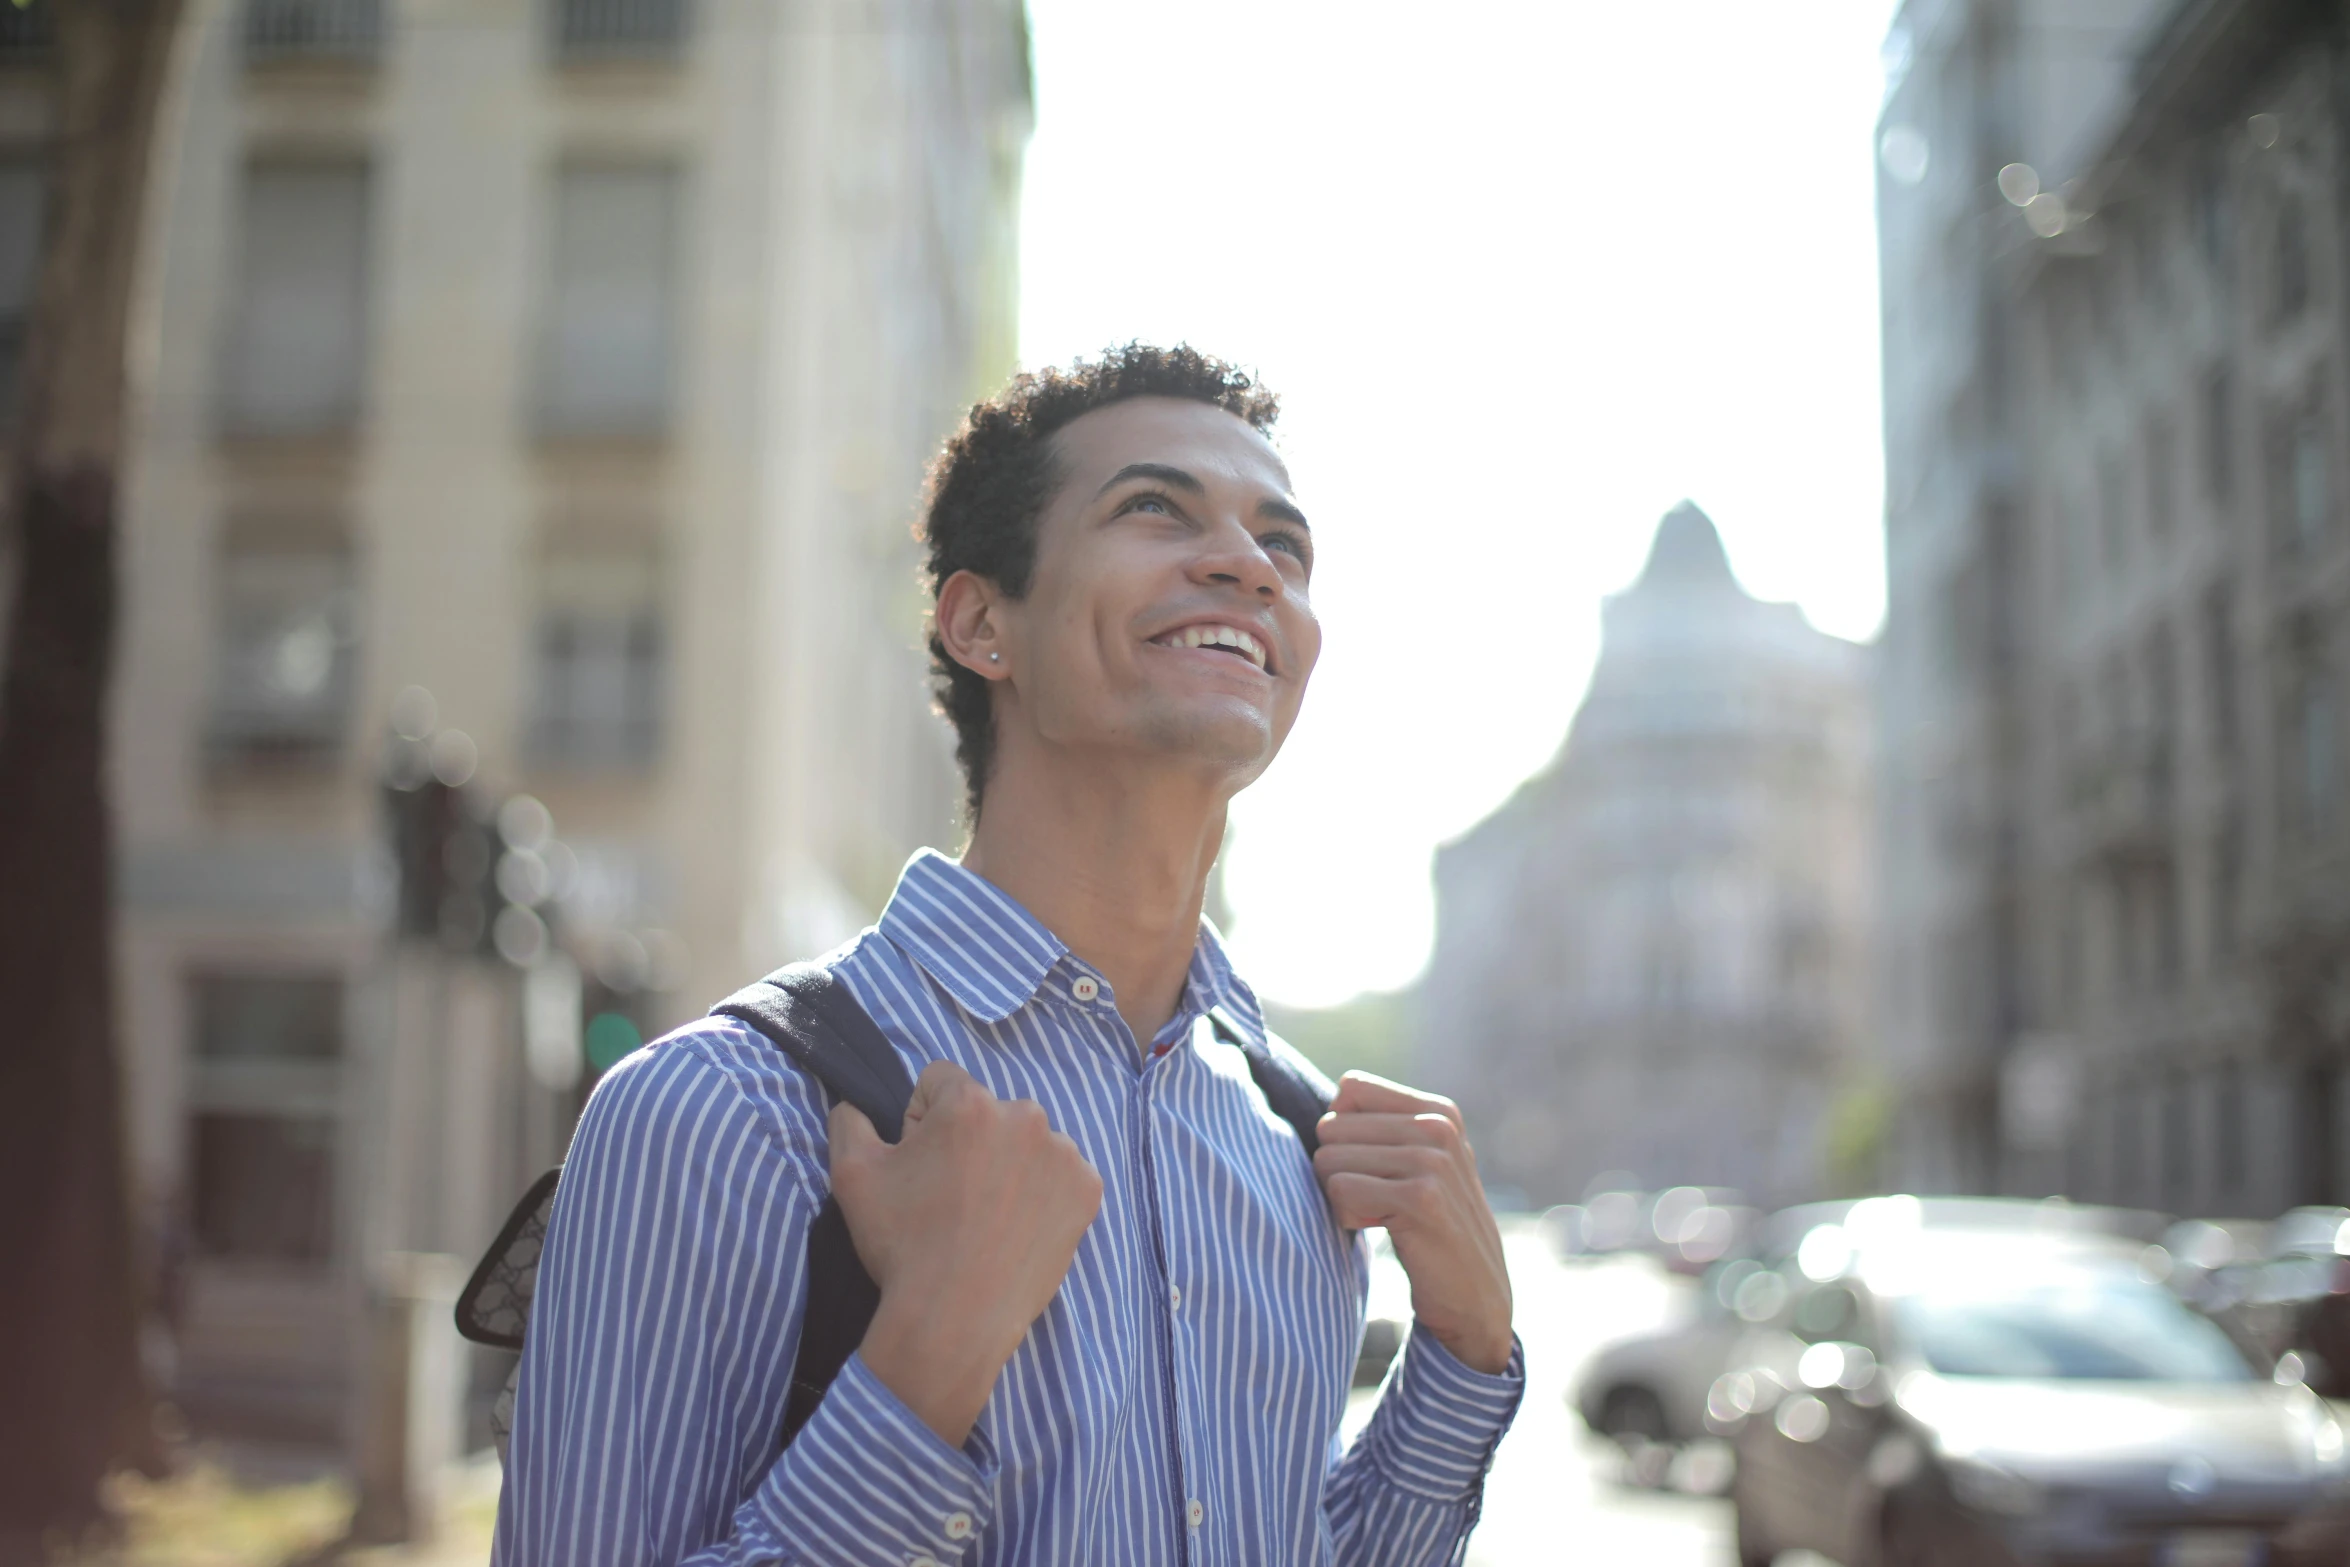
{"points": [[207, 1515]]}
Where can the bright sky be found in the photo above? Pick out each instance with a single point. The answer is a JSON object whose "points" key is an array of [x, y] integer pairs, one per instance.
{"points": [[1524, 274]]}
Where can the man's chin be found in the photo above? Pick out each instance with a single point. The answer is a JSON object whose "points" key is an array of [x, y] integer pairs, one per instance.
{"points": [[1224, 734]]}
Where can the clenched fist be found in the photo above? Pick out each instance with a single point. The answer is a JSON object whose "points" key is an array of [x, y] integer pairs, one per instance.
{"points": [[968, 1224], [1395, 1157]]}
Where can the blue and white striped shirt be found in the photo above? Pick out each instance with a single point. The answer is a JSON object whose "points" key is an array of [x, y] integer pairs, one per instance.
{"points": [[1178, 1403]]}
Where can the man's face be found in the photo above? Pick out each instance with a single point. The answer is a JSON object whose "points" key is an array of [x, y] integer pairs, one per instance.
{"points": [[1168, 609]]}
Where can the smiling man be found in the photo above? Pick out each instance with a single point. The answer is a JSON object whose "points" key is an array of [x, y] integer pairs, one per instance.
{"points": [[1119, 1304]]}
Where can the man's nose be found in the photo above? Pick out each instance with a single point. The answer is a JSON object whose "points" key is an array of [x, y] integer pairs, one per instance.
{"points": [[1233, 558]]}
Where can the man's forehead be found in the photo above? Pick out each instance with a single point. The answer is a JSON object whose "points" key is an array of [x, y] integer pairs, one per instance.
{"points": [[1178, 432]]}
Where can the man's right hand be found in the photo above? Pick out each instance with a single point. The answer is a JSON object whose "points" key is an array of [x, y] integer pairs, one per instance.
{"points": [[968, 1224]]}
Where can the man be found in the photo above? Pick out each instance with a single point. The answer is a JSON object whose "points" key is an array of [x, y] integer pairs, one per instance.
{"points": [[1118, 1305]]}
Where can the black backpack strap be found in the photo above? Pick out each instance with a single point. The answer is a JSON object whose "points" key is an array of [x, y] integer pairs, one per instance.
{"points": [[812, 1018], [1297, 1095]]}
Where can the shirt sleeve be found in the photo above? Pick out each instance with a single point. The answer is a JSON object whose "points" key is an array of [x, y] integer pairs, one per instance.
{"points": [[648, 1417], [1408, 1492]]}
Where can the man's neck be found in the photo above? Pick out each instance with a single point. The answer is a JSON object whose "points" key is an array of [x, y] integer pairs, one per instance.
{"points": [[1115, 864]]}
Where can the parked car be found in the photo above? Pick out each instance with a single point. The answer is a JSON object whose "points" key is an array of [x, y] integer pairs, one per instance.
{"points": [[1929, 1395], [1687, 1228], [1651, 1388], [2292, 1293]]}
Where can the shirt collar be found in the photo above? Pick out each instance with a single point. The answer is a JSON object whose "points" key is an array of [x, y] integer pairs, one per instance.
{"points": [[1214, 984], [992, 955], [970, 935]]}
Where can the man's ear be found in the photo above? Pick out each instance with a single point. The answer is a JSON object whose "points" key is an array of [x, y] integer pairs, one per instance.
{"points": [[969, 626]]}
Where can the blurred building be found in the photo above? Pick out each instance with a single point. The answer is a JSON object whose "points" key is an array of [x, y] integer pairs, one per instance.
{"points": [[1973, 85], [2118, 901], [1652, 960], [571, 367]]}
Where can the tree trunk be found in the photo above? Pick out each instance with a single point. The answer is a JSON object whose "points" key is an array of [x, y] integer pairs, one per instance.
{"points": [[76, 1398]]}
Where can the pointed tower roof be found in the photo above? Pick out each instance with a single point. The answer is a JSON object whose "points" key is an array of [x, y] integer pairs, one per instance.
{"points": [[1687, 553]]}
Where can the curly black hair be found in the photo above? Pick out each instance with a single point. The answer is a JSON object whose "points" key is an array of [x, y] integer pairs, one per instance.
{"points": [[991, 483]]}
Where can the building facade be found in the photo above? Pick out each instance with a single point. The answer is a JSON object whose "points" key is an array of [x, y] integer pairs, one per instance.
{"points": [[550, 381], [2155, 618], [1652, 961], [1973, 85]]}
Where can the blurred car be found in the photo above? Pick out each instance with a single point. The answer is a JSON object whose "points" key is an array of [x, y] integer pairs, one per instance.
{"points": [[1923, 1395], [1688, 1228], [1651, 1388], [2292, 1293]]}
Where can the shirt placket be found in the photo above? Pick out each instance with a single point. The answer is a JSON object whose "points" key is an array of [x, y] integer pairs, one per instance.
{"points": [[1147, 1073], [1191, 1508]]}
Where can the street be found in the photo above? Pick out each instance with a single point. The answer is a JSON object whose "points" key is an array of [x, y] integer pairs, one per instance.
{"points": [[1553, 1495]]}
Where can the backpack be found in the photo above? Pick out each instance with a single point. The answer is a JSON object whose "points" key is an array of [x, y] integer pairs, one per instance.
{"points": [[812, 1018]]}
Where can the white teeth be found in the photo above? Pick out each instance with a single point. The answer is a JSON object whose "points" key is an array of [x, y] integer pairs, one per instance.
{"points": [[1219, 636]]}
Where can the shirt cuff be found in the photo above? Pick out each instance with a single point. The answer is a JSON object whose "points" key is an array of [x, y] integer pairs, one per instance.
{"points": [[1438, 1421], [867, 1484]]}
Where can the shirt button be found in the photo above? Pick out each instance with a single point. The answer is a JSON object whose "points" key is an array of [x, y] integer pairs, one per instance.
{"points": [[1084, 988], [1195, 1512], [958, 1526], [1174, 1294]]}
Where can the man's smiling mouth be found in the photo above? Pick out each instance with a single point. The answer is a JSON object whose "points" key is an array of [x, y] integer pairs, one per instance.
{"points": [[1229, 640]]}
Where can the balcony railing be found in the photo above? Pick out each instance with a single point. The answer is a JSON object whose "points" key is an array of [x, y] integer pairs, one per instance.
{"points": [[337, 31], [593, 30]]}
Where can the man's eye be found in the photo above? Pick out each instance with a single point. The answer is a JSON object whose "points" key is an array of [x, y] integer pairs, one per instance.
{"points": [[1157, 503], [1285, 541]]}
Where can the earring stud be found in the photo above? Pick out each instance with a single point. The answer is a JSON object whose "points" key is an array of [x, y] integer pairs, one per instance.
{"points": [[995, 658]]}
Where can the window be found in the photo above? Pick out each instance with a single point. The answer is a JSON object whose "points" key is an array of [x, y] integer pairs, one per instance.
{"points": [[27, 32], [2308, 482], [605, 361], [2178, 1143], [2300, 488], [2219, 473], [243, 1017], [297, 352], [340, 30], [2227, 889], [2229, 1112], [600, 659], [2080, 546], [2312, 773], [2160, 469], [2112, 516], [285, 649], [2292, 260], [2160, 904], [618, 29], [262, 1186], [24, 187], [263, 1084], [2214, 226], [2219, 643]]}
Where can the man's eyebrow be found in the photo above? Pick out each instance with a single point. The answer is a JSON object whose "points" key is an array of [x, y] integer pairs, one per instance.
{"points": [[1272, 508], [1175, 477], [1279, 510]]}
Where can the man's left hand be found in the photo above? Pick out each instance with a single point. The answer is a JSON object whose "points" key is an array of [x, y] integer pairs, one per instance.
{"points": [[1394, 1157]]}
